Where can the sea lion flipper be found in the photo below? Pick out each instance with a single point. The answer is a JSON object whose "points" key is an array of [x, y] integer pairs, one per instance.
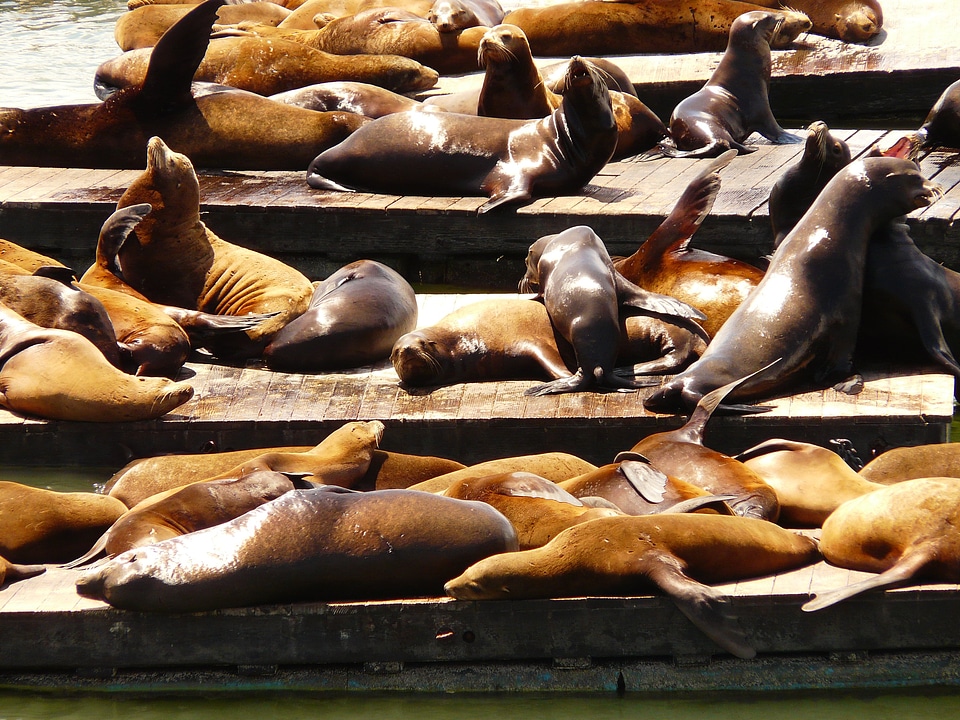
{"points": [[649, 483], [115, 231], [635, 296], [11, 572], [719, 502], [704, 606], [713, 399], [176, 57], [498, 199], [901, 573], [60, 273], [98, 547]]}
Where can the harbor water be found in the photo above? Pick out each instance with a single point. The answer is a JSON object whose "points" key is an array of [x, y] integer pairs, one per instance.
{"points": [[49, 51]]}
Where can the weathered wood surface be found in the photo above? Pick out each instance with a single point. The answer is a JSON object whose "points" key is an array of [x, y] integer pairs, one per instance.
{"points": [[442, 240], [251, 406]]}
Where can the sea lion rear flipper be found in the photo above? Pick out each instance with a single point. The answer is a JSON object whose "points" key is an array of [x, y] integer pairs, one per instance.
{"points": [[705, 607], [175, 59], [201, 326], [905, 569], [718, 502], [12, 572], [635, 296], [98, 547]]}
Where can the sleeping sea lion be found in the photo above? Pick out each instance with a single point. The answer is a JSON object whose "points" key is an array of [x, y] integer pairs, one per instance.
{"points": [[915, 461]]}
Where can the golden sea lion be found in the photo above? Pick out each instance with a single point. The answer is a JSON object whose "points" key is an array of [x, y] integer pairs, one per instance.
{"points": [[553, 466], [915, 461]]}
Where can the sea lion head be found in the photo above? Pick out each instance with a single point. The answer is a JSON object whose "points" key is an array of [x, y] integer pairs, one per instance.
{"points": [[823, 148], [503, 45], [773, 29], [530, 282], [857, 22], [451, 15], [420, 360], [896, 185]]}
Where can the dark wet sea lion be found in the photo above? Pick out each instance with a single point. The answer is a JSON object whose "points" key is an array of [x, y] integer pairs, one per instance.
{"points": [[906, 532], [144, 26], [554, 466], [666, 263], [308, 545], [941, 127], [508, 160], [611, 28], [60, 375], [681, 453], [810, 481], [538, 508], [354, 318], [187, 509], [806, 309], [172, 258], [631, 555], [582, 293], [267, 66], [911, 462], [44, 526], [734, 102], [795, 190], [855, 21], [221, 128]]}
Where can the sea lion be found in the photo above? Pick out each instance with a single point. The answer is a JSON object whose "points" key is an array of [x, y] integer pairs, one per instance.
{"points": [[354, 318], [267, 66], [916, 461], [12, 572], [855, 21], [190, 508], [143, 26], [631, 555], [905, 532], [514, 88], [636, 487], [59, 303], [582, 293], [454, 15], [538, 508], [553, 466], [509, 160], [681, 453], [220, 128], [174, 259], [941, 127], [795, 190], [313, 14], [308, 545], [806, 309], [735, 101], [44, 526], [616, 76], [810, 481], [624, 28], [666, 263], [60, 375], [364, 99]]}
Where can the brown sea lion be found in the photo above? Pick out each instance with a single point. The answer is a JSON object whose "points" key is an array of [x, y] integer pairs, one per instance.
{"points": [[354, 318], [514, 88], [187, 509], [144, 26], [12, 572], [267, 66], [60, 375], [734, 102], [810, 481], [806, 309], [631, 555], [314, 14], [681, 453], [59, 303], [554, 466], [916, 461], [855, 21], [509, 160], [44, 526], [364, 99], [174, 259], [582, 293], [308, 545], [538, 508], [616, 76], [219, 128], [795, 190], [906, 532], [666, 263], [621, 28], [941, 127]]}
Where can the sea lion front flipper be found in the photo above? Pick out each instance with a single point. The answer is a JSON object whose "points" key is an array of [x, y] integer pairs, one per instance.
{"points": [[502, 199], [12, 572], [705, 607], [633, 295], [114, 232], [718, 502], [175, 59], [902, 572], [60, 273], [649, 483]]}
